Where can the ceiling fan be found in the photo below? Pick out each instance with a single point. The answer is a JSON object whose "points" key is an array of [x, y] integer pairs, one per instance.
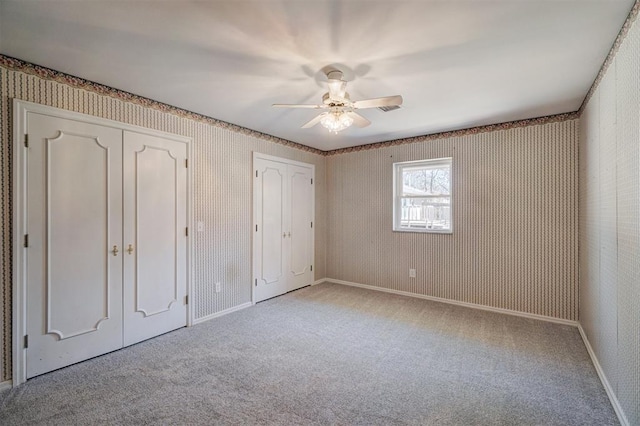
{"points": [[340, 109]]}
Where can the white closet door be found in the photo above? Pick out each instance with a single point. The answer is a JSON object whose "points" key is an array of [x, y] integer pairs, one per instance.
{"points": [[155, 243], [74, 274], [301, 214], [283, 213], [271, 242]]}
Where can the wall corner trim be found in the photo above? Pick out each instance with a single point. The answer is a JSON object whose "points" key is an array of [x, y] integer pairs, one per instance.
{"points": [[603, 378], [221, 313], [458, 303], [7, 384]]}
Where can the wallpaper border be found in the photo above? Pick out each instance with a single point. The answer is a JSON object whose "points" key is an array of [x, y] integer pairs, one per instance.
{"points": [[624, 31], [462, 132], [49, 74], [19, 65]]}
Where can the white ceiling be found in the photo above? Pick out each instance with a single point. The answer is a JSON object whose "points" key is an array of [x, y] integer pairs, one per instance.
{"points": [[457, 64]]}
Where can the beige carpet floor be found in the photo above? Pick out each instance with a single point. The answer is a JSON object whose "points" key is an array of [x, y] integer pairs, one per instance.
{"points": [[331, 354]]}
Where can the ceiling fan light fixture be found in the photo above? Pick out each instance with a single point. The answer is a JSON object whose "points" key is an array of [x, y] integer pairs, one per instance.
{"points": [[336, 121], [341, 111]]}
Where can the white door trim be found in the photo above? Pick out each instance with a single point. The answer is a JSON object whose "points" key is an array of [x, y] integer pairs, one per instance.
{"points": [[20, 110], [283, 160], [258, 155]]}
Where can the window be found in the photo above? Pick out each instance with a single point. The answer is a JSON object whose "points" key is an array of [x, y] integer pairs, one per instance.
{"points": [[422, 196]]}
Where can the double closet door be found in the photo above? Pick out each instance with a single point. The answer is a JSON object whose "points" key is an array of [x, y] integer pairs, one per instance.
{"points": [[283, 226], [106, 250]]}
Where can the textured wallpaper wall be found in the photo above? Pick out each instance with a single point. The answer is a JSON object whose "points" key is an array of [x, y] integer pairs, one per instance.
{"points": [[516, 223], [514, 244], [222, 162], [609, 223]]}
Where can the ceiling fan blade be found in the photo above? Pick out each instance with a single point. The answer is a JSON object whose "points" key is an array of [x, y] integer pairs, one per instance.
{"points": [[298, 106], [315, 120], [379, 102], [358, 120]]}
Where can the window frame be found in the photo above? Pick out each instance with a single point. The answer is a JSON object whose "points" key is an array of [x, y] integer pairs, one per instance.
{"points": [[398, 194]]}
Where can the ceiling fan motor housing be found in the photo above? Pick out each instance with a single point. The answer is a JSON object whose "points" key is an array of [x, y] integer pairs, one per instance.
{"points": [[327, 100], [334, 75]]}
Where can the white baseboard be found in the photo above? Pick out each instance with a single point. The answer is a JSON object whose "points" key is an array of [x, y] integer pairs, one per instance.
{"points": [[7, 384], [320, 281], [603, 378], [458, 303], [221, 313]]}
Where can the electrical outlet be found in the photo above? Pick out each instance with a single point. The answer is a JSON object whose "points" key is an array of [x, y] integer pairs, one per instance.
{"points": [[217, 287], [412, 273]]}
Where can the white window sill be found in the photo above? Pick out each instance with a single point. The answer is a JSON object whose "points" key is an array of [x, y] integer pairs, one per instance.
{"points": [[425, 231]]}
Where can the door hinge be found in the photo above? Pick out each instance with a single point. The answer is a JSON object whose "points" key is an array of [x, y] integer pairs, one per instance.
{"points": [[256, 228], [186, 162], [311, 181], [26, 141], [256, 282], [256, 173], [26, 240], [186, 231], [312, 224], [312, 267], [186, 299], [26, 341]]}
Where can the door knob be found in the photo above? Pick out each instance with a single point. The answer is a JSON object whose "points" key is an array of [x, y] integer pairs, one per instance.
{"points": [[130, 249], [115, 250], [284, 235], [289, 234]]}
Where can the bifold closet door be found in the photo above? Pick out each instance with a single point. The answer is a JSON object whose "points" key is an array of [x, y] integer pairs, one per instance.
{"points": [[283, 241], [155, 240], [106, 256], [74, 255]]}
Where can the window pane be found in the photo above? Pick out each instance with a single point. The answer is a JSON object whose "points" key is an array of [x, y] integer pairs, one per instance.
{"points": [[434, 213], [422, 195], [426, 181]]}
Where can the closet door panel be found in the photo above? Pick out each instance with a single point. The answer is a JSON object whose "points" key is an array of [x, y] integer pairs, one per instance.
{"points": [[74, 285], [155, 221], [271, 241], [300, 207], [78, 187], [156, 284]]}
